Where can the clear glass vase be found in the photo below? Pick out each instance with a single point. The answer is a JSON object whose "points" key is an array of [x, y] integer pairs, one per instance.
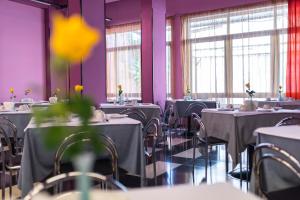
{"points": [[121, 99], [84, 163]]}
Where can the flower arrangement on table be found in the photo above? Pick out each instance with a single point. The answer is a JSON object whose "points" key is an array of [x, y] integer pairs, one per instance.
{"points": [[56, 92], [12, 94], [120, 94], [71, 42], [188, 94], [280, 91], [27, 92], [120, 90], [250, 106], [250, 92]]}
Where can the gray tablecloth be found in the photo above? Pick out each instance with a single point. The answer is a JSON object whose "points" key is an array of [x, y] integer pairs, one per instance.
{"points": [[150, 111], [38, 162], [283, 104], [180, 106], [20, 119], [279, 177], [237, 127]]}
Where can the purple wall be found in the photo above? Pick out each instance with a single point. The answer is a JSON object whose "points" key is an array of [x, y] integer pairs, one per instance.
{"points": [[159, 52], [177, 76], [94, 68], [22, 52], [75, 70], [147, 45]]}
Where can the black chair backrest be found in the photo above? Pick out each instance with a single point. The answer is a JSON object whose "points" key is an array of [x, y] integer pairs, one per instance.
{"points": [[195, 107], [201, 131], [277, 155], [73, 139], [136, 114], [102, 182], [152, 128], [289, 121]]}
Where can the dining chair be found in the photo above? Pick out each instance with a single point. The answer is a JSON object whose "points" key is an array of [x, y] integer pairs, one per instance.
{"points": [[108, 146], [195, 107], [284, 159], [101, 182], [289, 121], [136, 114], [11, 154], [201, 139], [152, 134], [168, 123], [12, 133]]}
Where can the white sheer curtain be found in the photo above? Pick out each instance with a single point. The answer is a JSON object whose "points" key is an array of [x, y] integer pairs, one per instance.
{"points": [[123, 60], [224, 50], [169, 56]]}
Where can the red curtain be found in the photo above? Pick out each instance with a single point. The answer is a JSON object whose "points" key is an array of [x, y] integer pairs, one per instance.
{"points": [[293, 55]]}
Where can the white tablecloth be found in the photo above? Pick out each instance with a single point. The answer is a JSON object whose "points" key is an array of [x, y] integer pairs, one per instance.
{"points": [[237, 127], [220, 191]]}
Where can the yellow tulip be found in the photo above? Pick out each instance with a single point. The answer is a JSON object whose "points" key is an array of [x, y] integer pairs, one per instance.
{"points": [[72, 38], [11, 90], [78, 88], [248, 86]]}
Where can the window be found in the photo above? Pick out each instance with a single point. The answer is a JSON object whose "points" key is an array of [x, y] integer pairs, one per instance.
{"points": [[168, 56], [224, 51], [123, 55]]}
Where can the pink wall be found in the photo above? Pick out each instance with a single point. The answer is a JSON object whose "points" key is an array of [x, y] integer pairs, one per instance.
{"points": [[94, 68], [22, 52]]}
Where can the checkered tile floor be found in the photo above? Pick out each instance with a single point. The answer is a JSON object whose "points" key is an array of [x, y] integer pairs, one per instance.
{"points": [[176, 167]]}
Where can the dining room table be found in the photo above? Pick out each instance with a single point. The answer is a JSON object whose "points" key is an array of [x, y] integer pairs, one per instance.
{"points": [[237, 127], [208, 192], [38, 161], [288, 139], [285, 104]]}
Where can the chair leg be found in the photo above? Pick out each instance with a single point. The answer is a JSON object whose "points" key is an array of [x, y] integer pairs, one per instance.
{"points": [[154, 161], [10, 184], [194, 156], [170, 134], [226, 159], [3, 184], [241, 171], [206, 160]]}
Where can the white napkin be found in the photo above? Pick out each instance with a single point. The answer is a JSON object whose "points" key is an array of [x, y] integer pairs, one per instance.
{"points": [[10, 106]]}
